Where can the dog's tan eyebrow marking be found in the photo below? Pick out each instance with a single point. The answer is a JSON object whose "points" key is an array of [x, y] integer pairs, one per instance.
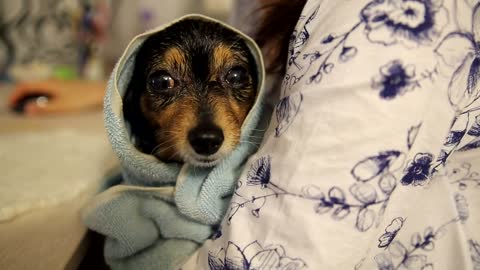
{"points": [[172, 59], [223, 55], [174, 55]]}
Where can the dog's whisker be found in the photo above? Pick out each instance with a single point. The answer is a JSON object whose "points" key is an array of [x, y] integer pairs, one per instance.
{"points": [[249, 142], [168, 140], [256, 129], [164, 142], [157, 147], [175, 153], [194, 171], [253, 136], [166, 148], [174, 132]]}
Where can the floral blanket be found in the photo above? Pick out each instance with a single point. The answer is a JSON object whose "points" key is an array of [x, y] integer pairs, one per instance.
{"points": [[372, 157]]}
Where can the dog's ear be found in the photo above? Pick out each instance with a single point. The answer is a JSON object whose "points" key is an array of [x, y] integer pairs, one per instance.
{"points": [[141, 133]]}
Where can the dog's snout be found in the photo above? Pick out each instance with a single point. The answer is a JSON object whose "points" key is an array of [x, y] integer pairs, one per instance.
{"points": [[206, 139]]}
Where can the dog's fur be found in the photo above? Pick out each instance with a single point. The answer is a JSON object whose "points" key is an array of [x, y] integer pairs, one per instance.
{"points": [[192, 87]]}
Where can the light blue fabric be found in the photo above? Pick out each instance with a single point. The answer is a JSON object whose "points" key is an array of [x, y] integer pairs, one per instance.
{"points": [[163, 212]]}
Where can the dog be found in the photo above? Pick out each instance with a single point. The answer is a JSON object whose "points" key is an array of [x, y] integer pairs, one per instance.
{"points": [[191, 89]]}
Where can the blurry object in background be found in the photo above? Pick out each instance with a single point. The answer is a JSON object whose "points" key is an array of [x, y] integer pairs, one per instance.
{"points": [[130, 18], [64, 96], [50, 168], [244, 15], [37, 32], [148, 14], [61, 38], [91, 27], [83, 34], [152, 13], [41, 182], [40, 100], [30, 71], [218, 8], [78, 41]]}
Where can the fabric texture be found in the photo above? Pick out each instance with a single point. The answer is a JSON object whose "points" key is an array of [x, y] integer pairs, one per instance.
{"points": [[164, 211], [371, 160]]}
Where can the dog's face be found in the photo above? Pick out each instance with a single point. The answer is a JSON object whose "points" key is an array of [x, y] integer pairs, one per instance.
{"points": [[193, 85]]}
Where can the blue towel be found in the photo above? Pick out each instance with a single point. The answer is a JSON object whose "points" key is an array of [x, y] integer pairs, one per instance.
{"points": [[162, 212]]}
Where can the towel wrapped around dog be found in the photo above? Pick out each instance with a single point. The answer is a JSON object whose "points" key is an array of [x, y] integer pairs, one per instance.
{"points": [[162, 212]]}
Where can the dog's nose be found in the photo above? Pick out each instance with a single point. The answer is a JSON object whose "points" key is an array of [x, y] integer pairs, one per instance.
{"points": [[206, 140]]}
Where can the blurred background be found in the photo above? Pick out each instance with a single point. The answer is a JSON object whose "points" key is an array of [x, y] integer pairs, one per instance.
{"points": [[81, 38]]}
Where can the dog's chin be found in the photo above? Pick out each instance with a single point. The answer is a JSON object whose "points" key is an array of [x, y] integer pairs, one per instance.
{"points": [[203, 161], [197, 160]]}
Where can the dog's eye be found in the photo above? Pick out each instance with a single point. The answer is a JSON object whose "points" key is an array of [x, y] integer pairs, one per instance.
{"points": [[237, 76], [161, 81]]}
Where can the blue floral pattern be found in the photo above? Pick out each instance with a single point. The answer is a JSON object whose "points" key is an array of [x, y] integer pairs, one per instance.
{"points": [[253, 256], [371, 167], [460, 51], [299, 38], [365, 195], [402, 256], [259, 173], [412, 135], [475, 254], [463, 136], [368, 202], [418, 170], [286, 111], [408, 22], [330, 44], [462, 175], [395, 79], [390, 232]]}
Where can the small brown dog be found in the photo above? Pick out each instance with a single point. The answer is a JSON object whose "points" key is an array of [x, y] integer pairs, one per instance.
{"points": [[192, 87]]}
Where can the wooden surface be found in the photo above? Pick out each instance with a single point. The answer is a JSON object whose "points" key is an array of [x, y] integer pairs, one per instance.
{"points": [[52, 237]]}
